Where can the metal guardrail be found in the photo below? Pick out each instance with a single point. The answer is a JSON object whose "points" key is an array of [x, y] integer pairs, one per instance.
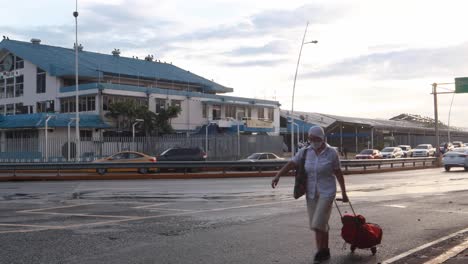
{"points": [[379, 162], [187, 165]]}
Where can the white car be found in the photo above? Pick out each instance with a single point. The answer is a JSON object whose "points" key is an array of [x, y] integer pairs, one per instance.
{"points": [[391, 152], [458, 157], [423, 150]]}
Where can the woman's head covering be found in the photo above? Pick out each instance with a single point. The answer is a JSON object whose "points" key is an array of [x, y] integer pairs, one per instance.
{"points": [[317, 131]]}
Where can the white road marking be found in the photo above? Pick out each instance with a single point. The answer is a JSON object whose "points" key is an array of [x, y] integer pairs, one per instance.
{"points": [[86, 215], [449, 254], [52, 208], [395, 205], [147, 217], [150, 205], [414, 250], [21, 225], [167, 209]]}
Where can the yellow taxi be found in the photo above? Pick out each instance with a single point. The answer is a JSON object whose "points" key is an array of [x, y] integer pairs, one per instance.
{"points": [[126, 157]]}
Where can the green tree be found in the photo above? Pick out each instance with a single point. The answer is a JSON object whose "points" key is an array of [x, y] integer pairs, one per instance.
{"points": [[125, 113]]}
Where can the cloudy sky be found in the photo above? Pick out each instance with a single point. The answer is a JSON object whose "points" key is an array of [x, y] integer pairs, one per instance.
{"points": [[373, 59]]}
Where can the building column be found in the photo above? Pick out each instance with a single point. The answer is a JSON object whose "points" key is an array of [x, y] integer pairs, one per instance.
{"points": [[356, 131], [2, 141]]}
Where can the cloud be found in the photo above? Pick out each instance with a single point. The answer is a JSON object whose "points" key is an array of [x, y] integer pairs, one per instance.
{"points": [[271, 21], [402, 65], [253, 63], [274, 47]]}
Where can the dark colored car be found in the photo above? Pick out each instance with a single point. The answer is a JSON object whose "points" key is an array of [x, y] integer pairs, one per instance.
{"points": [[182, 154], [443, 146]]}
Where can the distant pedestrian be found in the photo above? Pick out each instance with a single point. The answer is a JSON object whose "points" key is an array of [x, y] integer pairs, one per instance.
{"points": [[345, 152], [322, 166]]}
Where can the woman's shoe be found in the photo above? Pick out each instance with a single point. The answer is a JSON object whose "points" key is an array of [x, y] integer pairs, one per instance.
{"points": [[322, 255]]}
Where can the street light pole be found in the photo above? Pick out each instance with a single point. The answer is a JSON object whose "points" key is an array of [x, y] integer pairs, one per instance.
{"points": [[294, 86], [436, 118], [46, 138], [77, 107], [448, 123], [238, 135], [206, 136], [133, 131], [69, 145]]}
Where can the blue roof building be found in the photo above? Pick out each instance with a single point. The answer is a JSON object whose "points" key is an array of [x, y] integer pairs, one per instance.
{"points": [[37, 80]]}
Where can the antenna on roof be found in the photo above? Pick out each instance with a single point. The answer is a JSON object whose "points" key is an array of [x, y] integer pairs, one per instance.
{"points": [[116, 52], [149, 58]]}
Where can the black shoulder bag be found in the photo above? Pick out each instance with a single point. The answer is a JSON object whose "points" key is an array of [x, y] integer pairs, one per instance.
{"points": [[300, 184]]}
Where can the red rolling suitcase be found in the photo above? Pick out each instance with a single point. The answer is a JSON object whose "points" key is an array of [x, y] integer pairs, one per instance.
{"points": [[358, 233]]}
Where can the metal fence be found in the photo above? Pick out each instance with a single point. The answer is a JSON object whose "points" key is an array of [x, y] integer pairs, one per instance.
{"points": [[217, 147]]}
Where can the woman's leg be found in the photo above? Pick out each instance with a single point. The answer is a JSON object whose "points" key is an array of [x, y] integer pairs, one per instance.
{"points": [[321, 238]]}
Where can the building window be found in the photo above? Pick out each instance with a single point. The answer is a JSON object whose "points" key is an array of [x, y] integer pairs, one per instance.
{"points": [[249, 112], [19, 63], [10, 109], [216, 112], [86, 135], [41, 81], [261, 113], [20, 109], [177, 103], [40, 107], [270, 113], [204, 110], [10, 87], [19, 90], [230, 111], [160, 105], [2, 109], [91, 103], [2, 88], [86, 103]]}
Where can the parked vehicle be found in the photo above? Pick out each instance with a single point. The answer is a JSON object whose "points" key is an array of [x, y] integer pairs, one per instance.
{"points": [[458, 157], [369, 154], [458, 144], [406, 149], [182, 154], [391, 152], [126, 157], [424, 150], [446, 147], [262, 157]]}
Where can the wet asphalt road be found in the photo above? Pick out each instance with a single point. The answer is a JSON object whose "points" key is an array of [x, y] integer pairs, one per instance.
{"points": [[218, 221]]}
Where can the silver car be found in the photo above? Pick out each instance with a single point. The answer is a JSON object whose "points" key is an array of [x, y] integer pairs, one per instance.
{"points": [[458, 157], [391, 152]]}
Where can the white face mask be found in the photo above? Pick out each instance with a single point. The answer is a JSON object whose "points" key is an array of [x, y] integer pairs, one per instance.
{"points": [[316, 145]]}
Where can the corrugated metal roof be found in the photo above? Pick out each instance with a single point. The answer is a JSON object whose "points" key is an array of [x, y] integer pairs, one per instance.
{"points": [[123, 87], [326, 121], [59, 120], [58, 61]]}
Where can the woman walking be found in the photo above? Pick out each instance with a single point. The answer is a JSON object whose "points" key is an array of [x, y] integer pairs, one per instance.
{"points": [[322, 166]]}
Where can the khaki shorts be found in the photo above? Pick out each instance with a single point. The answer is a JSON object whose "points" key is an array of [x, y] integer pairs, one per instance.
{"points": [[319, 210]]}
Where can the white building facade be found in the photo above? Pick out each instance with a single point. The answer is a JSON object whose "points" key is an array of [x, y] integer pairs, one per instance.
{"points": [[38, 80]]}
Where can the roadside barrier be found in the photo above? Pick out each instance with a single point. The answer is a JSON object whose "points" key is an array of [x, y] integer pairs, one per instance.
{"points": [[11, 171]]}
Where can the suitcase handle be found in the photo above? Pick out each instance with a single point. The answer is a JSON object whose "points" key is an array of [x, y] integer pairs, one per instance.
{"points": [[338, 208]]}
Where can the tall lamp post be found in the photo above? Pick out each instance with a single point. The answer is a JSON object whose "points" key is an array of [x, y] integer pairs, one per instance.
{"points": [[294, 86], [46, 137], [133, 130], [77, 118], [206, 135], [69, 145]]}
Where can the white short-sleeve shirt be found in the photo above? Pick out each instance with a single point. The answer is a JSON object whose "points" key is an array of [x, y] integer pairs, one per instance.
{"points": [[319, 168]]}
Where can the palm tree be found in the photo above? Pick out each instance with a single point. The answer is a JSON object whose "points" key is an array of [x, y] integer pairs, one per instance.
{"points": [[124, 113]]}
